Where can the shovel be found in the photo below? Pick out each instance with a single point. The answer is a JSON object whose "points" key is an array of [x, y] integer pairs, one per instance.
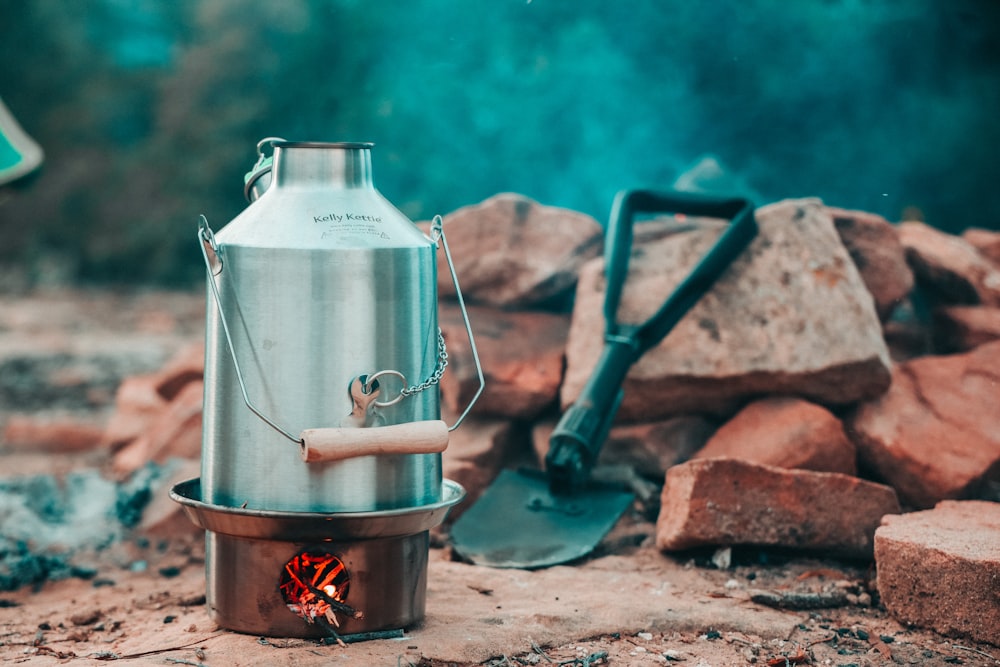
{"points": [[529, 519]]}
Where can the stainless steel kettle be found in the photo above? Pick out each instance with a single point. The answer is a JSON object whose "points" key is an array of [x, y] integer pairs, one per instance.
{"points": [[322, 343]]}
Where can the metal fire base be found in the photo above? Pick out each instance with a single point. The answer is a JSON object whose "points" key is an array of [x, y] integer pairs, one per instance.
{"points": [[385, 553]]}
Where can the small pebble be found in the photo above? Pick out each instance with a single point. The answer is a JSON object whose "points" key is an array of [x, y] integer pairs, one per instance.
{"points": [[647, 636], [85, 617]]}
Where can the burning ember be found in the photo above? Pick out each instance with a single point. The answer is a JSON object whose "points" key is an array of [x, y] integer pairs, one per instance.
{"points": [[314, 586]]}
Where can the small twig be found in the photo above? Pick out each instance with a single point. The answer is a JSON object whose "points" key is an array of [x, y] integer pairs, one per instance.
{"points": [[330, 630], [51, 651], [822, 641], [880, 646], [538, 649], [799, 658], [976, 650], [337, 605], [185, 662], [588, 661], [131, 656], [799, 601]]}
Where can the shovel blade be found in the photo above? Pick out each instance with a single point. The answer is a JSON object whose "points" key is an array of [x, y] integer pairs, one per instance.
{"points": [[519, 523]]}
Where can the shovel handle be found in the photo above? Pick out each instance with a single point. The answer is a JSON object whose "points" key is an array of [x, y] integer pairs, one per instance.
{"points": [[584, 426], [618, 246], [338, 444], [577, 439]]}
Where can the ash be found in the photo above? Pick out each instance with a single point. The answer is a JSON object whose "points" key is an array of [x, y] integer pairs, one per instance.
{"points": [[54, 527]]}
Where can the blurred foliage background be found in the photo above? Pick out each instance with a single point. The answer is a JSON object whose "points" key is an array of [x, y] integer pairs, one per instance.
{"points": [[149, 111]]}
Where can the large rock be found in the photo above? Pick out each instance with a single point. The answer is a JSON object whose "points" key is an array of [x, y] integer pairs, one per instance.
{"points": [[874, 247], [936, 433], [141, 398], [950, 268], [522, 358], [790, 316], [784, 432], [908, 333], [137, 402], [50, 433], [175, 432], [164, 517], [940, 568], [986, 241], [963, 328], [511, 251], [726, 501]]}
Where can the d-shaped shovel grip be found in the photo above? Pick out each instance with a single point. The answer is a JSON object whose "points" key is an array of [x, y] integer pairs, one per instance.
{"points": [[580, 433], [618, 248]]}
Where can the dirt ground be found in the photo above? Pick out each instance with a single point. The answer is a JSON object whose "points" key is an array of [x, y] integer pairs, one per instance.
{"points": [[142, 599], [632, 607]]}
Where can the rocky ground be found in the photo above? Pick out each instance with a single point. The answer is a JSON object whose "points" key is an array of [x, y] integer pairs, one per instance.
{"points": [[138, 593]]}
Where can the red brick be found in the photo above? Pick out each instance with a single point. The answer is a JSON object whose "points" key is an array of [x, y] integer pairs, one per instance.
{"points": [[163, 517], [986, 241], [952, 269], [873, 244], [727, 501], [936, 434], [963, 328], [42, 433], [137, 401], [784, 432], [174, 432], [188, 365], [511, 251], [940, 568], [522, 358]]}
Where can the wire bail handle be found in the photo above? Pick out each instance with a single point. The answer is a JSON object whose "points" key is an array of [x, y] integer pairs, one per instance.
{"points": [[266, 141], [213, 255]]}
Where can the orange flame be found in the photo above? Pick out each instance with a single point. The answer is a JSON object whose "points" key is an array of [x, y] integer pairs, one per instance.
{"points": [[315, 586]]}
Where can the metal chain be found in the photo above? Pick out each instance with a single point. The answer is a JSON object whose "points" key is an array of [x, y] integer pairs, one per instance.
{"points": [[442, 363], [371, 380]]}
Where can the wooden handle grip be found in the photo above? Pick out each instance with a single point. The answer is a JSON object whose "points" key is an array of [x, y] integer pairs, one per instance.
{"points": [[337, 444]]}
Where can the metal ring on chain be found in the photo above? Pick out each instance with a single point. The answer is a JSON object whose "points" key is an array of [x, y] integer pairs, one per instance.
{"points": [[373, 378], [442, 363]]}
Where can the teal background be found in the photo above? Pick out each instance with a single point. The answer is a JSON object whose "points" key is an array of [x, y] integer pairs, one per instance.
{"points": [[149, 111]]}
